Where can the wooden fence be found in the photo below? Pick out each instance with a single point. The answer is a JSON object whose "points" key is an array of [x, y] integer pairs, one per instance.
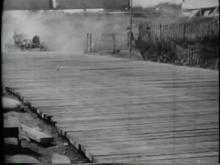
{"points": [[188, 31], [109, 42], [180, 38], [185, 35]]}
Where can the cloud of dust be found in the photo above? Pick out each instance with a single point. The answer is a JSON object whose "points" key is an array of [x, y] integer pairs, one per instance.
{"points": [[58, 30]]}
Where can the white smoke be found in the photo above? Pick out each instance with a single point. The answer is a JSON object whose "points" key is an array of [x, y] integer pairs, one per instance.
{"points": [[58, 30]]}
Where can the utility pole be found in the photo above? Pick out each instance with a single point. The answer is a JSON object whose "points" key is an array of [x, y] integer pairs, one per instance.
{"points": [[131, 23]]}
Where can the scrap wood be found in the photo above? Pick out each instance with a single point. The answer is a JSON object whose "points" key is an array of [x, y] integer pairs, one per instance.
{"points": [[21, 159], [10, 103], [37, 135]]}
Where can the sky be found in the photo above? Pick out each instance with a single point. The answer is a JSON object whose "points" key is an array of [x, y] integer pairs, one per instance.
{"points": [[147, 3]]}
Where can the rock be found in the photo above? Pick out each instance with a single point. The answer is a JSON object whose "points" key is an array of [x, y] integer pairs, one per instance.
{"points": [[23, 136], [21, 159], [11, 121], [36, 135], [10, 103], [65, 144], [60, 159]]}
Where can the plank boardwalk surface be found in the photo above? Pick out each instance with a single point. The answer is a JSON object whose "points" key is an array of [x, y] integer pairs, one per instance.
{"points": [[120, 110]]}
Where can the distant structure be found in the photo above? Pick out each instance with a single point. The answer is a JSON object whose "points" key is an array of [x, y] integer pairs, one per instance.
{"points": [[65, 4], [91, 4], [200, 8], [27, 4], [54, 4]]}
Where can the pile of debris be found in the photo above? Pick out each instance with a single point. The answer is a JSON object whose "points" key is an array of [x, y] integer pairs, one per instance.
{"points": [[28, 142], [27, 44]]}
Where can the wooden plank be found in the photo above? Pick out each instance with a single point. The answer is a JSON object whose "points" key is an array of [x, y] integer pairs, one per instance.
{"points": [[21, 159], [117, 110], [176, 159]]}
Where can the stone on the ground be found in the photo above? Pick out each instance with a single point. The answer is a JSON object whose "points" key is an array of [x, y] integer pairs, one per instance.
{"points": [[37, 135], [11, 120], [9, 103], [21, 159], [60, 159], [65, 144]]}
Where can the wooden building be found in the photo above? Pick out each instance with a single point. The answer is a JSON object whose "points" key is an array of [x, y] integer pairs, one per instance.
{"points": [[204, 8]]}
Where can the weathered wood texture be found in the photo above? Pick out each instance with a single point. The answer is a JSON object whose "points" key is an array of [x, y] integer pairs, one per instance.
{"points": [[120, 110]]}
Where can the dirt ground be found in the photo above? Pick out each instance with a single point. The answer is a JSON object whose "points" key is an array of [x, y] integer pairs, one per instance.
{"points": [[34, 149]]}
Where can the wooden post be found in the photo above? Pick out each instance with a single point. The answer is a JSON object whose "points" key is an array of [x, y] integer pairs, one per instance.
{"points": [[160, 37], [114, 42], [188, 54], [131, 22], [90, 42], [53, 4], [87, 42], [184, 32]]}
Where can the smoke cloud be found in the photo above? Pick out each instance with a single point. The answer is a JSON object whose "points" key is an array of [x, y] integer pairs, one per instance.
{"points": [[60, 31]]}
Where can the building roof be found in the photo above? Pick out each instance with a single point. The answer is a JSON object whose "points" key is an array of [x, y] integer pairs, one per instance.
{"points": [[198, 4]]}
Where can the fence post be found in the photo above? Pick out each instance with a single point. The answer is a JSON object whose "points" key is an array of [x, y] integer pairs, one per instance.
{"points": [[114, 43], [184, 32], [89, 46], [161, 42], [90, 42], [160, 27], [188, 54], [87, 42]]}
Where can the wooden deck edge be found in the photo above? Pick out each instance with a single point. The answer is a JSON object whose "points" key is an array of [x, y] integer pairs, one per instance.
{"points": [[48, 118]]}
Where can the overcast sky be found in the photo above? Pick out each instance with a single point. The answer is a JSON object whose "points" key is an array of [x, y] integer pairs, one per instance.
{"points": [[146, 3]]}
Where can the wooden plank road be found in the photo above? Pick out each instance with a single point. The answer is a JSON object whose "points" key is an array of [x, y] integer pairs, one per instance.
{"points": [[120, 110]]}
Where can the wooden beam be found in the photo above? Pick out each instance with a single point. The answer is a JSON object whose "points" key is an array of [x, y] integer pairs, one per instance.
{"points": [[21, 159]]}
